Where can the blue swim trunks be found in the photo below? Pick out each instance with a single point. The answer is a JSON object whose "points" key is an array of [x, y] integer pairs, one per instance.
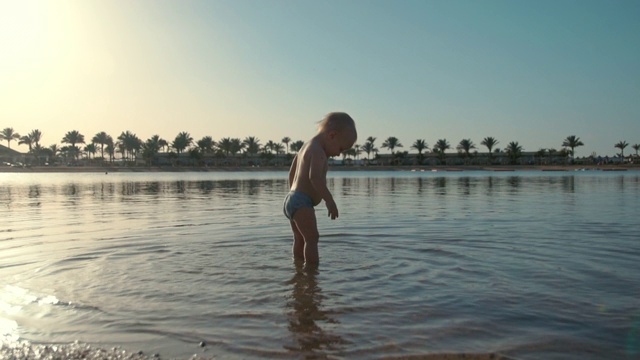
{"points": [[295, 200]]}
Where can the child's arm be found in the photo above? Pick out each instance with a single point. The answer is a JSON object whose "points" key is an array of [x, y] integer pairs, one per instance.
{"points": [[292, 170], [318, 179]]}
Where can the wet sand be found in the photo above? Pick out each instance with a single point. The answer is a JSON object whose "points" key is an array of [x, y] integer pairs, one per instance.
{"points": [[76, 350]]}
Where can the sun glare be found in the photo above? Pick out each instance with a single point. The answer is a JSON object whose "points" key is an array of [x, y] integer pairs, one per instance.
{"points": [[25, 43], [35, 38], [22, 29]]}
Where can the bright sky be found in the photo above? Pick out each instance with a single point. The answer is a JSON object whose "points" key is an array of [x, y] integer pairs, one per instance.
{"points": [[528, 71]]}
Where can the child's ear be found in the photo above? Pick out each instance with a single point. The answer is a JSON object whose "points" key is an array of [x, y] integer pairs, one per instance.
{"points": [[333, 134]]}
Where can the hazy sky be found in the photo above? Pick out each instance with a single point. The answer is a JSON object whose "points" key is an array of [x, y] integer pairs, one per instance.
{"points": [[531, 71]]}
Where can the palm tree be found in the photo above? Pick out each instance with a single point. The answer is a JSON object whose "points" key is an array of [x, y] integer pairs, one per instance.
{"points": [[150, 148], [45, 152], [420, 145], [195, 155], [286, 140], [252, 145], [9, 135], [182, 141], [489, 142], [134, 146], [103, 139], [129, 144], [162, 143], [236, 146], [52, 152], [205, 145], [122, 149], [278, 148], [32, 140], [572, 142], [636, 147], [297, 145], [110, 149], [26, 140], [371, 139], [66, 152], [266, 152], [465, 146], [346, 153], [155, 143], [268, 147], [72, 138], [621, 145], [37, 153], [514, 151], [392, 142], [90, 149], [36, 136], [369, 147], [225, 145], [440, 147], [357, 150]]}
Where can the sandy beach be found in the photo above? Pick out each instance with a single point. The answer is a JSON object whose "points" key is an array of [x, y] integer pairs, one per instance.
{"points": [[77, 350]]}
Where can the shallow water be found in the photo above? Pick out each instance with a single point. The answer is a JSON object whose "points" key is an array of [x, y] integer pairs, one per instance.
{"points": [[526, 264]]}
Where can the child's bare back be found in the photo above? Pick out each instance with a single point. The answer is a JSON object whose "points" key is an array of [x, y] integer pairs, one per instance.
{"points": [[310, 167], [309, 172]]}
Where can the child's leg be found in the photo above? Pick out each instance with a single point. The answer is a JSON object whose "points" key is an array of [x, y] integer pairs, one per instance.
{"points": [[298, 243], [305, 220]]}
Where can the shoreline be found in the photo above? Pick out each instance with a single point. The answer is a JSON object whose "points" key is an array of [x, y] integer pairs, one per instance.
{"points": [[421, 168], [79, 350]]}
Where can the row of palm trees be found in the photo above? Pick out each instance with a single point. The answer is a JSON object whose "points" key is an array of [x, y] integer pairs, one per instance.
{"points": [[130, 147], [513, 150]]}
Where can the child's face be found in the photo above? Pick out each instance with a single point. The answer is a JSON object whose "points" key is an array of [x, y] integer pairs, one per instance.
{"points": [[342, 141]]}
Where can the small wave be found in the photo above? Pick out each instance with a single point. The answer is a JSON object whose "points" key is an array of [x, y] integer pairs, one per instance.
{"points": [[17, 297]]}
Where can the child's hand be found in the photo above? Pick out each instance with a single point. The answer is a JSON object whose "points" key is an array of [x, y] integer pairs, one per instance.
{"points": [[332, 209]]}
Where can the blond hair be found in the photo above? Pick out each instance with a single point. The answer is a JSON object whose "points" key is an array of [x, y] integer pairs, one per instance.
{"points": [[338, 121]]}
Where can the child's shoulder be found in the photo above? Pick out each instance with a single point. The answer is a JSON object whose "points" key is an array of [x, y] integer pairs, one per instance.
{"points": [[313, 145], [311, 149]]}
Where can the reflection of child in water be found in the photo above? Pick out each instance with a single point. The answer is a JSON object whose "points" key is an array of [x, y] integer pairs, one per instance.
{"points": [[308, 182], [307, 315]]}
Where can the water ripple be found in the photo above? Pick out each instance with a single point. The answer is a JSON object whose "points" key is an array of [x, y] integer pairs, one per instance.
{"points": [[418, 265]]}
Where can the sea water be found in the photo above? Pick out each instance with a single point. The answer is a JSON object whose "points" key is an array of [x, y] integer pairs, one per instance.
{"points": [[525, 264]]}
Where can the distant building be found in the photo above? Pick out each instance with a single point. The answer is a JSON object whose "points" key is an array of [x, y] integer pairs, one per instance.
{"points": [[10, 156], [475, 158]]}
